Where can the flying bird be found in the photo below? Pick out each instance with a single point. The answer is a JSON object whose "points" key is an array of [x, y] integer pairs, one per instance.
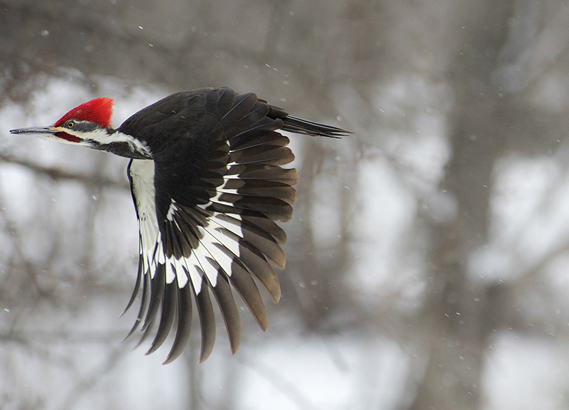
{"points": [[208, 184]]}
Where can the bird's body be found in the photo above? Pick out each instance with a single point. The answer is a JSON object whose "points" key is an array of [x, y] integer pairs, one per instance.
{"points": [[207, 183]]}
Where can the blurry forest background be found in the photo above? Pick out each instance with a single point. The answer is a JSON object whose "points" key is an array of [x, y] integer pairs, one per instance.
{"points": [[428, 253]]}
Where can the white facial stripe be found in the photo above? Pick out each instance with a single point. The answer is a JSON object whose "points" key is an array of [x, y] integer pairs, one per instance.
{"points": [[102, 137], [51, 137]]}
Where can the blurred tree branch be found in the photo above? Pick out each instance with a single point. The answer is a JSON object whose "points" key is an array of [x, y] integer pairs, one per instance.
{"points": [[57, 173]]}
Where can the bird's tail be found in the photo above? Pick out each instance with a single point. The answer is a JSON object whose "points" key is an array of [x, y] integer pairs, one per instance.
{"points": [[300, 126]]}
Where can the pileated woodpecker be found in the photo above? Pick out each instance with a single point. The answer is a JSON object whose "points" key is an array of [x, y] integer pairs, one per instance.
{"points": [[207, 183]]}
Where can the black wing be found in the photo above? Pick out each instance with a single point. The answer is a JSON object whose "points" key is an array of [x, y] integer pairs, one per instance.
{"points": [[207, 206]]}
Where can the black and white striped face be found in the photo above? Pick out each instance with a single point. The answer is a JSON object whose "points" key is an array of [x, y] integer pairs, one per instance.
{"points": [[71, 132], [89, 125], [92, 135]]}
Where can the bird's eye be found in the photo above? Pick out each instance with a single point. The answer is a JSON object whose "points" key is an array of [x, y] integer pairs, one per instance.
{"points": [[70, 124]]}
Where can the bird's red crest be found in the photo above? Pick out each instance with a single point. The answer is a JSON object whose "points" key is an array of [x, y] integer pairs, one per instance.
{"points": [[98, 111]]}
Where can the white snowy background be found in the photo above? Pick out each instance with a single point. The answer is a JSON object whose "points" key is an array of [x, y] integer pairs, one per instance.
{"points": [[371, 203]]}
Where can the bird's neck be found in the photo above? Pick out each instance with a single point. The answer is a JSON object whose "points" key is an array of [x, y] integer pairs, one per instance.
{"points": [[119, 143]]}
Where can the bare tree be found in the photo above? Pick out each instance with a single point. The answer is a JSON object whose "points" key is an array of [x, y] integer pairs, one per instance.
{"points": [[387, 235]]}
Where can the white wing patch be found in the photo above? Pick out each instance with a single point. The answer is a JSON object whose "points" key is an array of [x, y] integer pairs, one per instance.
{"points": [[173, 208], [101, 136], [142, 174], [215, 250]]}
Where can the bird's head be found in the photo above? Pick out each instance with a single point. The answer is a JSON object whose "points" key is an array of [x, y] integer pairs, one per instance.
{"points": [[83, 125], [90, 125]]}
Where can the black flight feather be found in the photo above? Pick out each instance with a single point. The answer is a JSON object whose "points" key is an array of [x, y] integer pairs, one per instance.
{"points": [[207, 202]]}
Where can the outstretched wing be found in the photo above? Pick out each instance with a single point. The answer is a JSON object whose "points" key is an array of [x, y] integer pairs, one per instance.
{"points": [[207, 207]]}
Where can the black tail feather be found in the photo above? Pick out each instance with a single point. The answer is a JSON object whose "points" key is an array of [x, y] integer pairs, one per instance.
{"points": [[300, 126]]}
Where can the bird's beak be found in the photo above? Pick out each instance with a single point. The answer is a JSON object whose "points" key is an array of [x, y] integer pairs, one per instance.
{"points": [[35, 130]]}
